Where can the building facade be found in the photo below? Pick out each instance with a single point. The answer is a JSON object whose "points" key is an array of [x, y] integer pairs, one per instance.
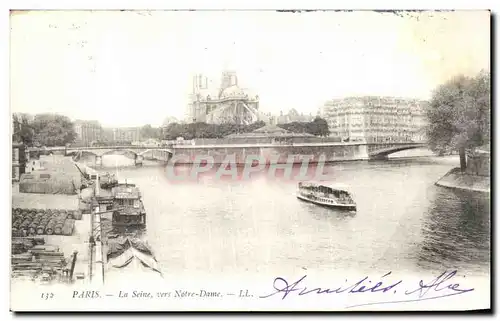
{"points": [[290, 117], [107, 135], [87, 131], [19, 159], [127, 134], [376, 119], [226, 104]]}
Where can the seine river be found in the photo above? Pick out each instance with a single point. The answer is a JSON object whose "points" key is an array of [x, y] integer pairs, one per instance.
{"points": [[403, 222]]}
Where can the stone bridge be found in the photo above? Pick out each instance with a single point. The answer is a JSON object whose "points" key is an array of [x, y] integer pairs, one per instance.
{"points": [[138, 152], [332, 151], [383, 150]]}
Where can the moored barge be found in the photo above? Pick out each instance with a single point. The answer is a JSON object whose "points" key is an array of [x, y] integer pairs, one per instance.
{"points": [[128, 206]]}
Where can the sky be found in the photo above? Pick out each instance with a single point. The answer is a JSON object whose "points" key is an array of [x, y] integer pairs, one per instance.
{"points": [[130, 68]]}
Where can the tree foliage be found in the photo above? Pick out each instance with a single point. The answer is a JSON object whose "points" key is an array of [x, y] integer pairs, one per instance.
{"points": [[459, 113], [318, 127], [147, 131], [22, 131], [53, 130], [204, 130]]}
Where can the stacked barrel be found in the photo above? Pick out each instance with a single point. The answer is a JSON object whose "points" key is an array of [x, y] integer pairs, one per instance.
{"points": [[43, 222]]}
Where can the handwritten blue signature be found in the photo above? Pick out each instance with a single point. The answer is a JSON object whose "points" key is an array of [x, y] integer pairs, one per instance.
{"points": [[440, 287]]}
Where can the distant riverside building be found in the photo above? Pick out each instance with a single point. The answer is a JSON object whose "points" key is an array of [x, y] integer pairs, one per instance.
{"points": [[292, 116], [226, 104], [150, 142], [19, 159], [19, 118], [107, 135], [87, 131], [376, 119], [127, 134]]}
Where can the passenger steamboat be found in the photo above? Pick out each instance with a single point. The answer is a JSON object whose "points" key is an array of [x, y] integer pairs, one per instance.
{"points": [[333, 196]]}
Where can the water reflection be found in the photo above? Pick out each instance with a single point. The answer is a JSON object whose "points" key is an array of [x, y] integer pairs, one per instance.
{"points": [[402, 222], [456, 231], [328, 214]]}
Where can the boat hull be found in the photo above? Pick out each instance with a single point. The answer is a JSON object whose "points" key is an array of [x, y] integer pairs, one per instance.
{"points": [[108, 185], [121, 224], [120, 220], [347, 207]]}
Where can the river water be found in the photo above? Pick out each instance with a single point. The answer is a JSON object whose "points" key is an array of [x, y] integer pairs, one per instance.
{"points": [[403, 221]]}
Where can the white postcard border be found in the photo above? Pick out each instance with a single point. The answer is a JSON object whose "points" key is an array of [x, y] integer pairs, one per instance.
{"points": [[177, 4]]}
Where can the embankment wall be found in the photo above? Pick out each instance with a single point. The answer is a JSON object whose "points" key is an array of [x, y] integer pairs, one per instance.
{"points": [[272, 154], [456, 179]]}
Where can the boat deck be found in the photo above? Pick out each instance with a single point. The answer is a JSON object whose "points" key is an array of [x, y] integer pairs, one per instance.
{"points": [[325, 202]]}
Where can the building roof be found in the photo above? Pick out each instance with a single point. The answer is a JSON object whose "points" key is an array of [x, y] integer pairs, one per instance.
{"points": [[130, 211], [126, 181], [271, 129], [126, 192], [233, 92], [44, 201], [278, 131]]}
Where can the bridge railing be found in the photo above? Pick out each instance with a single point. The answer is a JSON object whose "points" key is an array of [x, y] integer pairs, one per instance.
{"points": [[62, 148], [220, 144]]}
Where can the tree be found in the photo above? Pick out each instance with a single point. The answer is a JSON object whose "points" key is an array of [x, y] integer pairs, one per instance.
{"points": [[204, 130], [254, 126], [147, 131], [318, 127], [459, 115], [22, 131], [53, 130]]}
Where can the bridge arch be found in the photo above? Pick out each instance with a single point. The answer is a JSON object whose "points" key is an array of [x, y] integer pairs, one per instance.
{"points": [[100, 151], [138, 152], [384, 152], [77, 154], [123, 151]]}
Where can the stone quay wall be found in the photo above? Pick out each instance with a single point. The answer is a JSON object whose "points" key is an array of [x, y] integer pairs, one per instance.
{"points": [[272, 153]]}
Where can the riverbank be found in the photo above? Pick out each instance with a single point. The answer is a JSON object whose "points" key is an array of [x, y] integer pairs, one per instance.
{"points": [[456, 179], [65, 244]]}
